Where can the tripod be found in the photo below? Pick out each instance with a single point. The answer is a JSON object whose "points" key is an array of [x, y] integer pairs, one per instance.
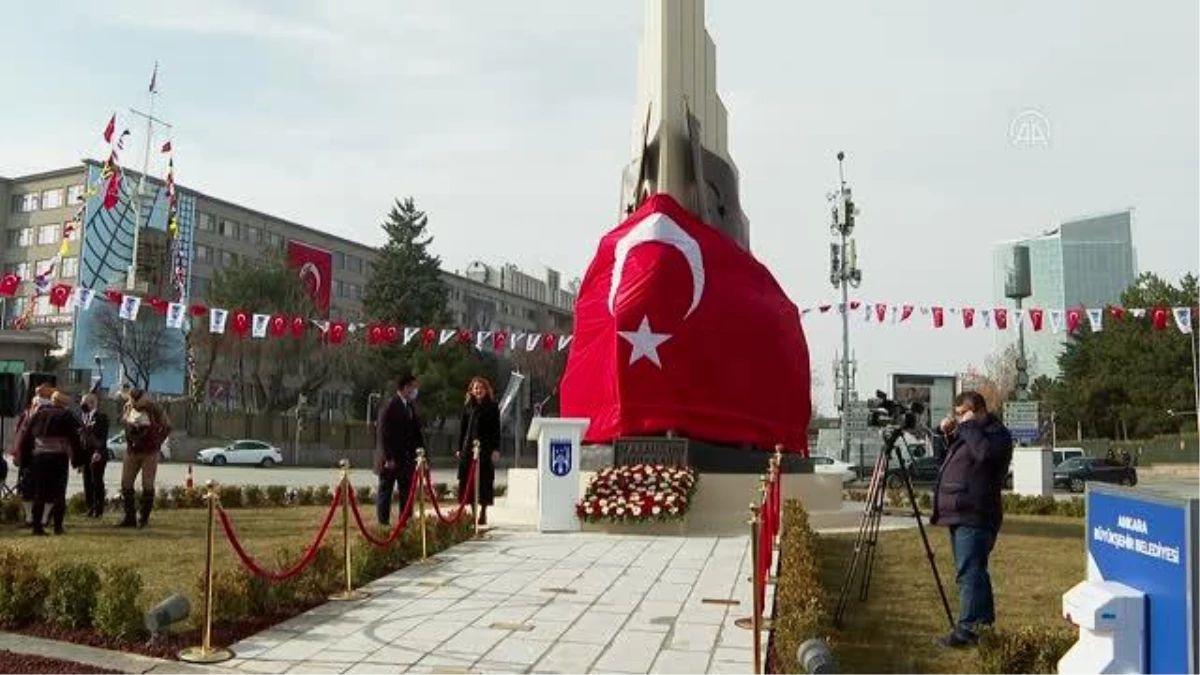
{"points": [[867, 541]]}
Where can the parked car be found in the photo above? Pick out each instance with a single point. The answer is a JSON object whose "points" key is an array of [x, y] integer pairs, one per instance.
{"points": [[846, 470], [921, 470], [117, 447], [243, 451], [1074, 473], [1059, 455]]}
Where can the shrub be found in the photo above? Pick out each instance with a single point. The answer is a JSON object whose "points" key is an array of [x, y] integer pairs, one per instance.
{"points": [[442, 490], [23, 588], [253, 496], [277, 495], [800, 612], [178, 496], [323, 576], [363, 493], [1030, 649], [231, 496], [231, 597], [323, 495], [370, 562], [304, 496], [76, 504], [117, 614], [258, 594], [71, 601], [162, 499], [11, 510]]}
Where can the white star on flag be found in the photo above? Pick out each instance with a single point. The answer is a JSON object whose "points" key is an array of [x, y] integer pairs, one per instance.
{"points": [[645, 342]]}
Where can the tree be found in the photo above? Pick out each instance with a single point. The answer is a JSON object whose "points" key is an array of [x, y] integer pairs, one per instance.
{"points": [[269, 372], [1121, 381], [406, 284], [997, 381], [143, 347], [544, 370]]}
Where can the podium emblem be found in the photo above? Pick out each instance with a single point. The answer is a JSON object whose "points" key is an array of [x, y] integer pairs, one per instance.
{"points": [[560, 457]]}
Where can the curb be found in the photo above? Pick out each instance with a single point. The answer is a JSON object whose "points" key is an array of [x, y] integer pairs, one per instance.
{"points": [[98, 658]]}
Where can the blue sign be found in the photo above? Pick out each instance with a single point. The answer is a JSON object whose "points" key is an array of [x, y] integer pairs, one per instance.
{"points": [[1026, 435], [560, 457], [1146, 542]]}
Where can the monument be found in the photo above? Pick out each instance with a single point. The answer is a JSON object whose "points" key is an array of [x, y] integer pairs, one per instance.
{"points": [[679, 330]]}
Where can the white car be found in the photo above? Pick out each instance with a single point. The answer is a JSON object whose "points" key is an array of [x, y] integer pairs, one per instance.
{"points": [[117, 447], [243, 451], [823, 464]]}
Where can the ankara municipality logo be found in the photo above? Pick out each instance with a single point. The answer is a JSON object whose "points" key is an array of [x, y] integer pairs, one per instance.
{"points": [[1029, 129], [560, 457]]}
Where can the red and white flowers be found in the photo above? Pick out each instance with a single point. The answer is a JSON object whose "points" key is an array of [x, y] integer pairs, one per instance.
{"points": [[638, 493]]}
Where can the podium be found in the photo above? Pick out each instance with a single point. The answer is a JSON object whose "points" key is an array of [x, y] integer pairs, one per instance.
{"points": [[559, 440]]}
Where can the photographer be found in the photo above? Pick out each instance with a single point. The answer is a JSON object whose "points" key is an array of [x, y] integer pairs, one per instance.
{"points": [[967, 500]]}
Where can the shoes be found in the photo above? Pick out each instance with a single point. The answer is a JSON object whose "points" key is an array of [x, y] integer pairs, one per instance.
{"points": [[957, 639]]}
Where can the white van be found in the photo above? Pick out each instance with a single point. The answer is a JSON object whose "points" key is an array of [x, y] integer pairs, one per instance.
{"points": [[1063, 454]]}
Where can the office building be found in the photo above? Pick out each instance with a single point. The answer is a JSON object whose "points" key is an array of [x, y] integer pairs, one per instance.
{"points": [[36, 210], [1089, 262]]}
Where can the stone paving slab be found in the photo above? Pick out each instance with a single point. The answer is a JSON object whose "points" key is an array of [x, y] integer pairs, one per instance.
{"points": [[524, 602]]}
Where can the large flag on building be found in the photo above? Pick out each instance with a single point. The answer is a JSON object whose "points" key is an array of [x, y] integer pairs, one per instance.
{"points": [[677, 328], [315, 266]]}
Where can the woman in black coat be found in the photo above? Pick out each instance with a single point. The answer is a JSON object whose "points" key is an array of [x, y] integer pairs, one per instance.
{"points": [[480, 422]]}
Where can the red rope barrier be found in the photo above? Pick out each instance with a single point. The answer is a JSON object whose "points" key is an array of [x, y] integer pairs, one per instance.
{"points": [[253, 565], [413, 486], [466, 498]]}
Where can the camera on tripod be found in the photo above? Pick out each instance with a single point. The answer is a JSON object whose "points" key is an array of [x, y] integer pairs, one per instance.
{"points": [[884, 412]]}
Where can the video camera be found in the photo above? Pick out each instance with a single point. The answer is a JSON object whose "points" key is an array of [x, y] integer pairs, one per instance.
{"points": [[884, 412]]}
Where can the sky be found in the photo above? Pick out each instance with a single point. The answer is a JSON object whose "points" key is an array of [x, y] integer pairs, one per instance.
{"points": [[509, 123]]}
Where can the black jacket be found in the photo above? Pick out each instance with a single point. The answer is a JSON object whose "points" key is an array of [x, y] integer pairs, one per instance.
{"points": [[970, 481], [53, 430], [95, 435], [398, 434], [480, 422]]}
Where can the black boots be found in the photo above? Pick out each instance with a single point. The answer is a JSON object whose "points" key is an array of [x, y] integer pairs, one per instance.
{"points": [[57, 513], [147, 507], [127, 497], [38, 513]]}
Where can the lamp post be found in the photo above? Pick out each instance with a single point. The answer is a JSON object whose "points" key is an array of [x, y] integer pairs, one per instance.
{"points": [[844, 273]]}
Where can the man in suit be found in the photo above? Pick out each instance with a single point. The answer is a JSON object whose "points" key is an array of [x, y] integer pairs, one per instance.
{"points": [[95, 442], [397, 437]]}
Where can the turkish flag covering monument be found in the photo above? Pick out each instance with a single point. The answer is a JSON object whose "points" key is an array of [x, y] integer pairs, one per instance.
{"points": [[677, 328]]}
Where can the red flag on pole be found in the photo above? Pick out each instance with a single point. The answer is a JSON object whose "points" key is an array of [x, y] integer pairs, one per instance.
{"points": [[939, 316], [110, 129], [1036, 317], [166, 147]]}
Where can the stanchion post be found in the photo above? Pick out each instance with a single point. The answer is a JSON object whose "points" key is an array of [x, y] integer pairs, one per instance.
{"points": [[475, 497], [421, 501], [755, 622], [778, 466], [205, 652], [348, 593]]}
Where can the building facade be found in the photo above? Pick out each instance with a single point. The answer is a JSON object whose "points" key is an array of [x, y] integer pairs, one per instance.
{"points": [[1089, 262], [36, 210]]}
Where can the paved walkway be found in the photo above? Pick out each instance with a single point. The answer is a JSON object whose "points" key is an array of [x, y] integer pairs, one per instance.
{"points": [[520, 602], [99, 658]]}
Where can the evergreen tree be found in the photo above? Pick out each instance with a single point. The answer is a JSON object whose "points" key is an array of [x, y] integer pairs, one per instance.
{"points": [[406, 285]]}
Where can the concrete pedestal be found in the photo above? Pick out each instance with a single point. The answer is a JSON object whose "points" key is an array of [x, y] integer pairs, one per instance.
{"points": [[1033, 472]]}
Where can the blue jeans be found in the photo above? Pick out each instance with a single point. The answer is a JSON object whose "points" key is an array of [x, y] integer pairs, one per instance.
{"points": [[971, 547]]}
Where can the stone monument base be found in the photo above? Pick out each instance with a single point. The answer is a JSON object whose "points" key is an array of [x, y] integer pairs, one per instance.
{"points": [[721, 506]]}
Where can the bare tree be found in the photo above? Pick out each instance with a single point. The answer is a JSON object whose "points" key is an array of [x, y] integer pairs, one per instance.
{"points": [[143, 347]]}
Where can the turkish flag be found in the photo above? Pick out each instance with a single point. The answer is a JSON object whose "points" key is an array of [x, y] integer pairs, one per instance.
{"points": [[1036, 317], [500, 340], [678, 328], [939, 317], [9, 284], [337, 332], [1159, 317], [880, 311], [968, 316], [1001, 318], [905, 312], [375, 334], [241, 322], [315, 267], [1073, 317], [1117, 312], [60, 294], [298, 326], [391, 334], [278, 326]]}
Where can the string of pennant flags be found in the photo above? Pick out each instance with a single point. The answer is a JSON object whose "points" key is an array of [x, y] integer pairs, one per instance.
{"points": [[1056, 320]]}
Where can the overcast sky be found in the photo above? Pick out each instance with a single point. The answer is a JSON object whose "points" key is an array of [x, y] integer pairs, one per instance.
{"points": [[509, 123]]}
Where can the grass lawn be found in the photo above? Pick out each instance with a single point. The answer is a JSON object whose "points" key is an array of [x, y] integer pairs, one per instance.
{"points": [[170, 552], [1036, 560]]}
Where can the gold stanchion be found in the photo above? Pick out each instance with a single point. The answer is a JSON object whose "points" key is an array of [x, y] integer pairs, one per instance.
{"points": [[475, 499], [763, 492], [205, 653], [421, 502], [754, 622], [348, 593], [777, 464]]}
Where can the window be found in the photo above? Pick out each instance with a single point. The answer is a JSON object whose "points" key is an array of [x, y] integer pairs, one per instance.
{"points": [[52, 199], [63, 338], [228, 259], [339, 288], [339, 260], [200, 287], [20, 269], [251, 234], [354, 263], [16, 306], [20, 238], [275, 240], [70, 266], [207, 223], [74, 194], [43, 307], [25, 203], [204, 254], [48, 234], [229, 229]]}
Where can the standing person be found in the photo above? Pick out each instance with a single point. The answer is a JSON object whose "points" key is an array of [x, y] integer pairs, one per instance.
{"points": [[146, 427], [480, 422], [967, 499], [51, 440], [397, 437], [24, 464], [95, 445]]}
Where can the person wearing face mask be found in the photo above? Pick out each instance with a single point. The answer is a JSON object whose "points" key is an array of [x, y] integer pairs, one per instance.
{"points": [[51, 440], [480, 422], [95, 445], [967, 500], [397, 437], [25, 482]]}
